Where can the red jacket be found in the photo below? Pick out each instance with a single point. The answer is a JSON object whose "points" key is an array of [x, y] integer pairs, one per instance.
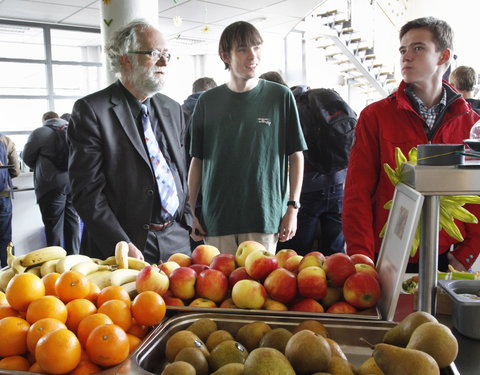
{"points": [[382, 126]]}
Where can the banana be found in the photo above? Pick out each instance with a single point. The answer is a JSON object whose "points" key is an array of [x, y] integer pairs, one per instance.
{"points": [[66, 264], [109, 261], [5, 276], [10, 256], [48, 267], [121, 254], [137, 264], [17, 265], [131, 289], [42, 255], [88, 267], [101, 278], [35, 270], [123, 276]]}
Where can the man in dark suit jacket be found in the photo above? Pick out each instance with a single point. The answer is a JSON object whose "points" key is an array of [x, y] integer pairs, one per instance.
{"points": [[114, 186]]}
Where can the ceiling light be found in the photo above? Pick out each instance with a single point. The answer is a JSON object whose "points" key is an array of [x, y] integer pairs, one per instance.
{"points": [[258, 20]]}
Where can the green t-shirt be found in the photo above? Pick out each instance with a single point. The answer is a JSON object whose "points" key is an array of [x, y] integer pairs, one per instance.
{"points": [[244, 140]]}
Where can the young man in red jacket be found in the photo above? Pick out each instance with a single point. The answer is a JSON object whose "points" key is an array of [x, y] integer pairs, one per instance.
{"points": [[423, 110]]}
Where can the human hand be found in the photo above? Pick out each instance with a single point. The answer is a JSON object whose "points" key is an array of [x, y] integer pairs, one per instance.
{"points": [[134, 252], [288, 225], [455, 263], [198, 233]]}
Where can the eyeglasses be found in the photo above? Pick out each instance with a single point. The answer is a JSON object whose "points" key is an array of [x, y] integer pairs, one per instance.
{"points": [[154, 55]]}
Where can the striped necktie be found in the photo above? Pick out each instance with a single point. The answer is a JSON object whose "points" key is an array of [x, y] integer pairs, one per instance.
{"points": [[165, 181]]}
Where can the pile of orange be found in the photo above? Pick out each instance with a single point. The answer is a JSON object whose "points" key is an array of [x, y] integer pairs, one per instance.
{"points": [[95, 329]]}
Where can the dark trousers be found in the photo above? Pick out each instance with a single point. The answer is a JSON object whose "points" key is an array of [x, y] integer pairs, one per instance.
{"points": [[161, 244], [5, 228], [320, 210], [61, 221]]}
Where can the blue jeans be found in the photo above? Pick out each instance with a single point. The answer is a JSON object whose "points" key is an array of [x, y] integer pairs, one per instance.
{"points": [[5, 227], [320, 211]]}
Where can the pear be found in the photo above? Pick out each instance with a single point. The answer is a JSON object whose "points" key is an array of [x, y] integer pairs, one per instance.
{"points": [[335, 349], [400, 334], [195, 357], [230, 369], [250, 334], [369, 367], [179, 368], [182, 339], [276, 338], [312, 325], [308, 352], [203, 328], [393, 360], [437, 340], [267, 361], [340, 366], [227, 352]]}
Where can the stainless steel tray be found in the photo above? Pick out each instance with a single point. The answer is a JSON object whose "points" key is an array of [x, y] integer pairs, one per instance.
{"points": [[149, 357], [369, 314]]}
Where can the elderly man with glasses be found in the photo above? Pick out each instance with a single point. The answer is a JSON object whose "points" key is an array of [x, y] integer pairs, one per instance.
{"points": [[127, 157]]}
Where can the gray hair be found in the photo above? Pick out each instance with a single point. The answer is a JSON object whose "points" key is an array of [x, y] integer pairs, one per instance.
{"points": [[123, 41]]}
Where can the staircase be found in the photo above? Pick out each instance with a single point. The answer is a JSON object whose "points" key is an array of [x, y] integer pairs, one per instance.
{"points": [[345, 47]]}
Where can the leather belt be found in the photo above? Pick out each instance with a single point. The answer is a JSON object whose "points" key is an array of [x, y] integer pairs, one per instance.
{"points": [[159, 227], [5, 194]]}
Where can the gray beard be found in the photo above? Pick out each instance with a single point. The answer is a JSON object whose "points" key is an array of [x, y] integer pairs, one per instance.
{"points": [[145, 81]]}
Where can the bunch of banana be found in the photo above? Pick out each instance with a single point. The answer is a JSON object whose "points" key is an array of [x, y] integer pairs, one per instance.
{"points": [[32, 261]]}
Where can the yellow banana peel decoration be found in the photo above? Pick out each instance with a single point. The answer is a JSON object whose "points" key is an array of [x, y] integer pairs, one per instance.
{"points": [[451, 206]]}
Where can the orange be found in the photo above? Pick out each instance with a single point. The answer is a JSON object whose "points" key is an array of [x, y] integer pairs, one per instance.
{"points": [[13, 336], [77, 310], [85, 368], [107, 345], [58, 351], [113, 292], [138, 329], [148, 308], [88, 323], [23, 289], [133, 341], [46, 307], [41, 328], [3, 299], [35, 367], [6, 310], [93, 292], [72, 285], [15, 362], [49, 281], [118, 311]]}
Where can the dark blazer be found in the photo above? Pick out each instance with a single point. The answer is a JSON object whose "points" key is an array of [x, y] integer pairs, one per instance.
{"points": [[113, 184]]}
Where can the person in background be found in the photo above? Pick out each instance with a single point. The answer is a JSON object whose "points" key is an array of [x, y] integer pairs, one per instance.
{"points": [[246, 151], [9, 168], [128, 166], [423, 110], [52, 185], [66, 116], [464, 79], [199, 86], [273, 76]]}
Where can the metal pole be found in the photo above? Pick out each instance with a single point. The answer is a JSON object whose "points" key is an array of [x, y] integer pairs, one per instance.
{"points": [[428, 258]]}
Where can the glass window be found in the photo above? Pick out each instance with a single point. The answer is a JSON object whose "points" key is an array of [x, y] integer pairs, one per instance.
{"points": [[64, 105], [69, 45], [76, 80], [23, 42], [21, 114], [22, 79]]}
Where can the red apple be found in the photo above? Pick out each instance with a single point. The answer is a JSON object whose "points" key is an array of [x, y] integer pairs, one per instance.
{"points": [[203, 254], [238, 274], [249, 294], [283, 255], [228, 304], [224, 263], [202, 302], [183, 260], [342, 308], [244, 249], [173, 301], [338, 267], [292, 263], [281, 285], [313, 258], [307, 305], [273, 305], [333, 295], [361, 290], [260, 263], [182, 282], [168, 267], [151, 278], [199, 268], [362, 258], [362, 267], [212, 284], [312, 282]]}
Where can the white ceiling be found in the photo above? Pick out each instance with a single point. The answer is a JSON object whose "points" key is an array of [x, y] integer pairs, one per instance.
{"points": [[274, 18]]}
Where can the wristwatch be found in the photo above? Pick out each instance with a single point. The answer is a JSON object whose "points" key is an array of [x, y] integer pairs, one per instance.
{"points": [[295, 204]]}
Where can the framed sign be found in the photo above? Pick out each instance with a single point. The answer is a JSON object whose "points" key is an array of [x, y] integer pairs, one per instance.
{"points": [[396, 245]]}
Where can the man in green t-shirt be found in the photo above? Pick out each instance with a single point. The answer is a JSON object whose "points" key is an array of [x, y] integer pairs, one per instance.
{"points": [[246, 152]]}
